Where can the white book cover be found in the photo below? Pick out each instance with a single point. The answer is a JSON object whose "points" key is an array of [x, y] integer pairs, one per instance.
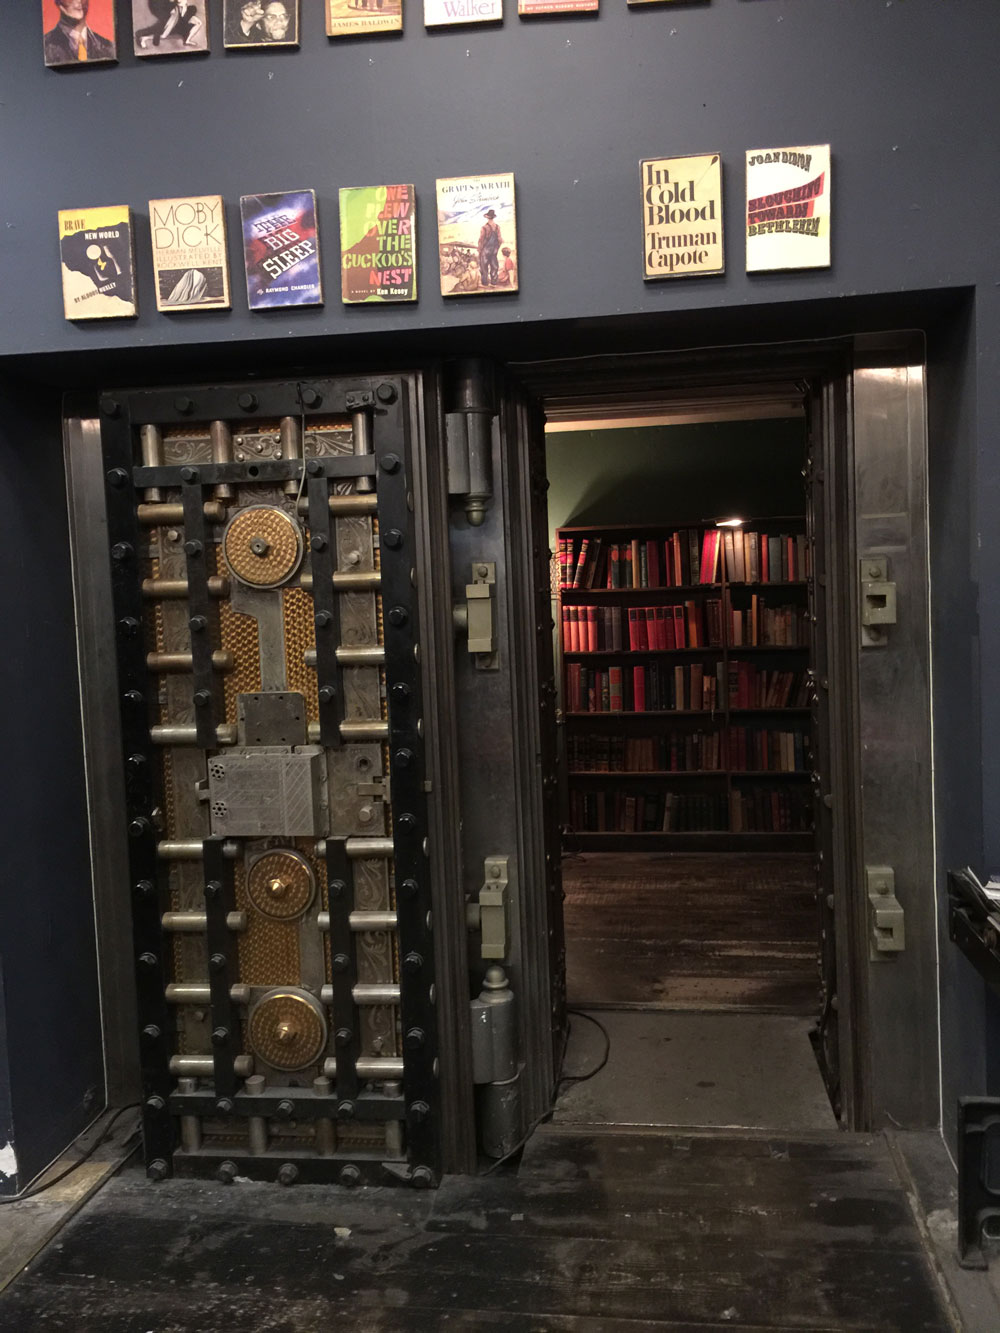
{"points": [[788, 208], [440, 13]]}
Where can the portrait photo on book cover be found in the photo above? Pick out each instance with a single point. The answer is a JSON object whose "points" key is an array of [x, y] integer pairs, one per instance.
{"points": [[169, 27], [261, 22], [79, 32]]}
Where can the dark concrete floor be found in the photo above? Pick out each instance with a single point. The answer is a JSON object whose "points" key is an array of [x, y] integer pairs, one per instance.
{"points": [[598, 1232]]}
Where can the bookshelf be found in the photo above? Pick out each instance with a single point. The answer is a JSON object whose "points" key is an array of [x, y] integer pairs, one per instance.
{"points": [[684, 656]]}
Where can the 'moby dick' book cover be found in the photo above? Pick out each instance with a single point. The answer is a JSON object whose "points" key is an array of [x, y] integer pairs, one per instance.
{"points": [[477, 235], [281, 249], [189, 253], [98, 266], [378, 243]]}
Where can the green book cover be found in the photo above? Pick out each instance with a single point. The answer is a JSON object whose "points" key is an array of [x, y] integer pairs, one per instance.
{"points": [[378, 243]]}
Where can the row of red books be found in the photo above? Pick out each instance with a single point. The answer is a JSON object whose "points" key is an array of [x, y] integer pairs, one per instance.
{"points": [[768, 626], [764, 749], [659, 687], [585, 629], [752, 687], [688, 557], [770, 811], [674, 752]]}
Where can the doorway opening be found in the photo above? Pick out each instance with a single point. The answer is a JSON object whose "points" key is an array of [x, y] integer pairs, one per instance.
{"points": [[686, 636]]}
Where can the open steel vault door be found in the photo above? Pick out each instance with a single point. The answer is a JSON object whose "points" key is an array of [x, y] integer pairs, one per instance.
{"points": [[264, 570]]}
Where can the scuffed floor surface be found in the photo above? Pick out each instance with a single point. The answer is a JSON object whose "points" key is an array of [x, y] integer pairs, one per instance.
{"points": [[729, 932], [600, 1232]]}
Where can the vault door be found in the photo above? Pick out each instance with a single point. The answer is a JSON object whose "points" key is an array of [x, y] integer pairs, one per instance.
{"points": [[262, 547]]}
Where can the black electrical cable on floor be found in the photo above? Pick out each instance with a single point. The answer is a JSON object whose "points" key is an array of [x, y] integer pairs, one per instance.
{"points": [[101, 1138], [564, 1078]]}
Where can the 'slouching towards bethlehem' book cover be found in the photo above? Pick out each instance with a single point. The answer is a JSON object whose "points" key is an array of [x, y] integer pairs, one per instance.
{"points": [[378, 243], [98, 266], [281, 249]]}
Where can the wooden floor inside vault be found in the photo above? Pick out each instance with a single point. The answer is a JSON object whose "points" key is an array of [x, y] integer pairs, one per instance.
{"points": [[700, 932]]}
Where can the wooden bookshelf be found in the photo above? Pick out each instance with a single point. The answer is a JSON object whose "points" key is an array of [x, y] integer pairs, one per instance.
{"points": [[737, 644]]}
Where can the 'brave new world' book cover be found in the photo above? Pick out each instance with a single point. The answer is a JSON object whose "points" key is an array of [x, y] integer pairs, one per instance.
{"points": [[98, 266], [281, 249]]}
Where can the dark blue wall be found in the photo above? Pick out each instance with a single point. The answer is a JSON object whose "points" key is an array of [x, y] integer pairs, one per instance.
{"points": [[904, 90]]}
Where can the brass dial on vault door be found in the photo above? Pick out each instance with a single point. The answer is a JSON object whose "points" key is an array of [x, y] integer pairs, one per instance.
{"points": [[288, 1030], [281, 885], [262, 546]]}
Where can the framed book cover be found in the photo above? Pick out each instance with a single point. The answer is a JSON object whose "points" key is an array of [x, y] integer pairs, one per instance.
{"points": [[249, 23], [526, 8], [281, 249], [378, 243], [169, 27], [351, 18], [98, 263], [79, 32], [190, 261], [441, 13], [477, 235], [682, 216], [788, 208]]}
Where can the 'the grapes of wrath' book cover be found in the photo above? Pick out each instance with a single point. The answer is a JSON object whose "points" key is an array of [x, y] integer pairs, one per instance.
{"points": [[477, 235], [378, 243], [261, 22], [281, 249], [98, 267], [79, 32], [348, 18], [169, 27], [439, 13], [189, 253], [788, 208], [682, 216], [526, 8]]}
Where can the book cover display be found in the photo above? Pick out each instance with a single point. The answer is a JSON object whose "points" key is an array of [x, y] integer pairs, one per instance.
{"points": [[169, 27], [349, 18], [788, 208], [261, 22], [477, 235], [281, 249], [526, 8], [378, 243], [441, 13], [682, 216], [98, 267], [189, 253], [79, 32]]}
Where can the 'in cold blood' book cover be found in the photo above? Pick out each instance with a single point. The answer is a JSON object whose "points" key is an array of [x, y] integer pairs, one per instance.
{"points": [[682, 216], [281, 249], [189, 253], [378, 243], [348, 18], [477, 235], [98, 268], [788, 208]]}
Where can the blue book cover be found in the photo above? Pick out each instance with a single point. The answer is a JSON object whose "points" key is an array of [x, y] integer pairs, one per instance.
{"points": [[281, 249]]}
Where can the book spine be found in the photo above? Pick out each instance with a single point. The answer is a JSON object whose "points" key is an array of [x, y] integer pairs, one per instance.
{"points": [[581, 563]]}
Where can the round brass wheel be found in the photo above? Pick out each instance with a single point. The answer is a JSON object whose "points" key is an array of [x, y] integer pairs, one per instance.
{"points": [[288, 1030], [262, 546], [281, 885]]}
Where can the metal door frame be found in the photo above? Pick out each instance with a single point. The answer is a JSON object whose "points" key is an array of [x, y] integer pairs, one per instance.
{"points": [[826, 376]]}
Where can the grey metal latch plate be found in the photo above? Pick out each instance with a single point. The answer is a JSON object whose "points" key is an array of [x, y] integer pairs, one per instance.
{"points": [[886, 919], [878, 601]]}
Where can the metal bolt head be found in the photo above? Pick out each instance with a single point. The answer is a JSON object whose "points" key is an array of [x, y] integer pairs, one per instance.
{"points": [[220, 1036], [409, 888], [120, 552], [390, 463], [212, 889], [415, 1039], [288, 1174], [277, 888], [336, 888], [345, 1110], [202, 698], [225, 1106], [286, 1109], [155, 1103], [217, 962], [151, 1032], [248, 402], [401, 692], [323, 619], [327, 694], [422, 1178], [157, 1169], [117, 478], [413, 962], [198, 624], [145, 888], [136, 763], [184, 406], [340, 962], [147, 959], [393, 538], [314, 467], [138, 827], [110, 408], [398, 615], [189, 474], [193, 549], [350, 1176], [318, 542], [386, 393], [344, 1036], [311, 397], [417, 1112], [259, 546], [226, 1173], [403, 758], [406, 822], [133, 697]]}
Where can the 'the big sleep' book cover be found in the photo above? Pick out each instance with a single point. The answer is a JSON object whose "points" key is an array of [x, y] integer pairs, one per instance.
{"points": [[281, 249]]}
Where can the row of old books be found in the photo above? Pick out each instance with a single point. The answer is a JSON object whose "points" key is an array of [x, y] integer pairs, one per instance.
{"points": [[658, 687], [672, 751], [762, 626], [617, 811], [601, 629], [752, 687], [770, 810], [767, 750], [686, 558]]}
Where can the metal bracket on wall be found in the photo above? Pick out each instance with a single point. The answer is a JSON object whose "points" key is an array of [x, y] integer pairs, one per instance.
{"points": [[490, 913], [476, 616], [878, 601], [886, 922]]}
